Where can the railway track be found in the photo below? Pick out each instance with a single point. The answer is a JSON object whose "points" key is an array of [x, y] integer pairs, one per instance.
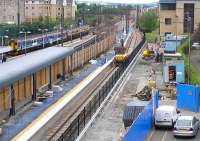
{"points": [[75, 106], [64, 122], [113, 74], [65, 119]]}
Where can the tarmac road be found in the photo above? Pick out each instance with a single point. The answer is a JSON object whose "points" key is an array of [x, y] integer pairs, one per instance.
{"points": [[163, 134], [167, 135]]}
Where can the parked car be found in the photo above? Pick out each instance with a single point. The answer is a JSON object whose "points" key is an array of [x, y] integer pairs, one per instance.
{"points": [[186, 126], [196, 46], [166, 116]]}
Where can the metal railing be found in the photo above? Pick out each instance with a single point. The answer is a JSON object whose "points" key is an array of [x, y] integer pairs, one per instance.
{"points": [[78, 124]]}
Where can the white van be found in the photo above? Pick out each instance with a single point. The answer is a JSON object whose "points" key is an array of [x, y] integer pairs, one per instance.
{"points": [[166, 116]]}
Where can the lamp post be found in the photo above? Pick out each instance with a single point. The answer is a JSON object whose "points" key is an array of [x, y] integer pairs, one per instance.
{"points": [[43, 32], [2, 43], [176, 30], [57, 28], [188, 20], [71, 31], [25, 34], [62, 21]]}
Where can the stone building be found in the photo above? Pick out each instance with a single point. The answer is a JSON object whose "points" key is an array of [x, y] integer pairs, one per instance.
{"points": [[9, 11], [35, 9], [178, 16]]}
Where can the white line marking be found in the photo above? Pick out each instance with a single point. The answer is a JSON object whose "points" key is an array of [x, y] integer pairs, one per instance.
{"points": [[151, 135], [164, 136]]}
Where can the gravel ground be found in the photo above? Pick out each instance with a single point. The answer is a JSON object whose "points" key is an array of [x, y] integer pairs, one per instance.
{"points": [[109, 125]]}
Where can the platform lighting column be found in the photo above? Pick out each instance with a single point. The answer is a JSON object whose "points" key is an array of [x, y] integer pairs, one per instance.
{"points": [[43, 36], [57, 35], [57, 28], [2, 43], [25, 36], [62, 20], [71, 32], [25, 43]]}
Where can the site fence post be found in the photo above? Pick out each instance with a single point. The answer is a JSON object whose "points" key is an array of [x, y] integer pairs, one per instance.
{"points": [[90, 110], [78, 125], [99, 98], [84, 116]]}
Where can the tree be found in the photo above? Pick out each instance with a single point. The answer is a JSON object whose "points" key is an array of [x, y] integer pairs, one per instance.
{"points": [[148, 22]]}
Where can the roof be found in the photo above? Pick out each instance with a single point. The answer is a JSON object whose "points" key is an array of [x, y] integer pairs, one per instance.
{"points": [[185, 118], [166, 108], [167, 1], [23, 66]]}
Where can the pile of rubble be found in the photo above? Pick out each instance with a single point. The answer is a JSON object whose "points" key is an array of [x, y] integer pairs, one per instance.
{"points": [[144, 94]]}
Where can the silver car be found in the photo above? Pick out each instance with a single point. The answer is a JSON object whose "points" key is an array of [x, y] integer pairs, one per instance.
{"points": [[186, 126]]}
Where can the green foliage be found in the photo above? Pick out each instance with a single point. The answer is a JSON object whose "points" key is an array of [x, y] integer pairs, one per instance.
{"points": [[194, 74], [152, 36], [89, 12], [43, 23], [148, 22]]}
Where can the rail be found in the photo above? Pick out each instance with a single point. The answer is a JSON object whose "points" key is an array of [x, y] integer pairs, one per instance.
{"points": [[79, 123]]}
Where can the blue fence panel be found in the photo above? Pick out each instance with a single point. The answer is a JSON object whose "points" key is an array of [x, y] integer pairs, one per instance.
{"points": [[187, 97], [142, 125], [144, 122]]}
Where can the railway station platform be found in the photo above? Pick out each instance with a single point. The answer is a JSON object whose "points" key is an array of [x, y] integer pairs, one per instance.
{"points": [[51, 57], [29, 113]]}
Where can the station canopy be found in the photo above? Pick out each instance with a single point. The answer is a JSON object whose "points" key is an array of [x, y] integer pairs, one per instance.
{"points": [[22, 66], [167, 1]]}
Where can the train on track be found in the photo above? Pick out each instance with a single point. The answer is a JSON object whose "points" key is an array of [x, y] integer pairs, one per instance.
{"points": [[43, 41], [122, 49]]}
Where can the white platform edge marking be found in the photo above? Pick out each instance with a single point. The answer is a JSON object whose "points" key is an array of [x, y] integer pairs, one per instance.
{"points": [[49, 113]]}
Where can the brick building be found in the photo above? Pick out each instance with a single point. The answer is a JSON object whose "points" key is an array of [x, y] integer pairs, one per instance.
{"points": [[174, 16], [9, 11], [34, 9]]}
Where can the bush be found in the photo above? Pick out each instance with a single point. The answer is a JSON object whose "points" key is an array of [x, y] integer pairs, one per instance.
{"points": [[152, 36], [194, 74], [148, 22]]}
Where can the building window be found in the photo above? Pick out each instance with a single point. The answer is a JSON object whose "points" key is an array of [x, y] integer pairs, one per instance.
{"points": [[168, 21], [168, 6], [188, 12]]}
